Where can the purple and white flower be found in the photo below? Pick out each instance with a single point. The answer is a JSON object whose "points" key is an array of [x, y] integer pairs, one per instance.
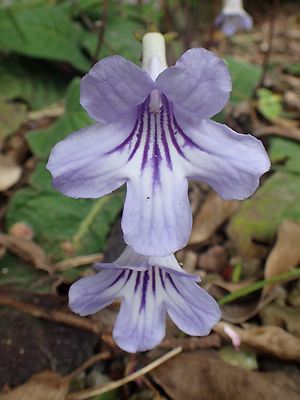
{"points": [[233, 18], [149, 287], [153, 133]]}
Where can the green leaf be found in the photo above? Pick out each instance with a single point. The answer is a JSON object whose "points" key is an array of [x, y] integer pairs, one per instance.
{"points": [[41, 30], [259, 217], [30, 82], [56, 220], [14, 271], [75, 118], [12, 115], [245, 78], [118, 39], [269, 104], [293, 69], [287, 152]]}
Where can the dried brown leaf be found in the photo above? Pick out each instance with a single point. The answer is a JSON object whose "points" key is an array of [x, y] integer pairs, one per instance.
{"points": [[45, 385], [10, 173], [283, 316], [268, 339], [214, 213], [27, 250], [285, 255], [210, 378]]}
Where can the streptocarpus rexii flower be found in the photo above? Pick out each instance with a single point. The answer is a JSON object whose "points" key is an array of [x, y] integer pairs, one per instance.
{"points": [[153, 133], [233, 18], [149, 287]]}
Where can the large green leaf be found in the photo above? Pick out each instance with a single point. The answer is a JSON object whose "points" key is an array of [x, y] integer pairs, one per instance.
{"points": [[63, 225], [60, 222], [259, 217], [118, 39], [245, 78], [286, 152], [12, 115], [41, 30], [30, 82], [75, 118]]}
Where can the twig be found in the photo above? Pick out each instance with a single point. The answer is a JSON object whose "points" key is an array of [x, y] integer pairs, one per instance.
{"points": [[192, 343], [78, 261], [96, 391], [105, 355], [212, 29], [49, 112], [51, 315], [267, 56], [101, 31]]}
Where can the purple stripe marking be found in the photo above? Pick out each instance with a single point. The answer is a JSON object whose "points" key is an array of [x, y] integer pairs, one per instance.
{"points": [[170, 127], [153, 280], [131, 135], [144, 290], [121, 274], [164, 138], [156, 158], [140, 130], [161, 278], [128, 276], [137, 281], [172, 282], [147, 142], [187, 140]]}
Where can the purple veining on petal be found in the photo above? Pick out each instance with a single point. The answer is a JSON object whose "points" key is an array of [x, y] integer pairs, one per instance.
{"points": [[137, 281], [164, 138], [153, 280], [128, 277], [144, 290], [172, 133], [140, 130], [156, 158], [121, 274], [162, 279], [148, 137], [159, 131], [172, 282]]}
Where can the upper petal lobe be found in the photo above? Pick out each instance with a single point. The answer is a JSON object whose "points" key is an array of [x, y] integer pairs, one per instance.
{"points": [[198, 85], [113, 87]]}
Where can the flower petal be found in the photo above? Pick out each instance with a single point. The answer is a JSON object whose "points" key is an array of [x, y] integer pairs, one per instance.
{"points": [[157, 216], [93, 293], [198, 85], [132, 260], [233, 23], [83, 164], [113, 87], [140, 324], [193, 310], [231, 163]]}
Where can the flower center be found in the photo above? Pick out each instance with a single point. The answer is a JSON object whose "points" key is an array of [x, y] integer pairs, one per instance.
{"points": [[155, 102]]}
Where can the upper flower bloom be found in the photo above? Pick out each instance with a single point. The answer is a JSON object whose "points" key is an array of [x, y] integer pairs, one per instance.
{"points": [[153, 133], [149, 287], [233, 18]]}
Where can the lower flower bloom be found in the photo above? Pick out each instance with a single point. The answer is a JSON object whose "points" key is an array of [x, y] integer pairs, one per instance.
{"points": [[149, 287]]}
